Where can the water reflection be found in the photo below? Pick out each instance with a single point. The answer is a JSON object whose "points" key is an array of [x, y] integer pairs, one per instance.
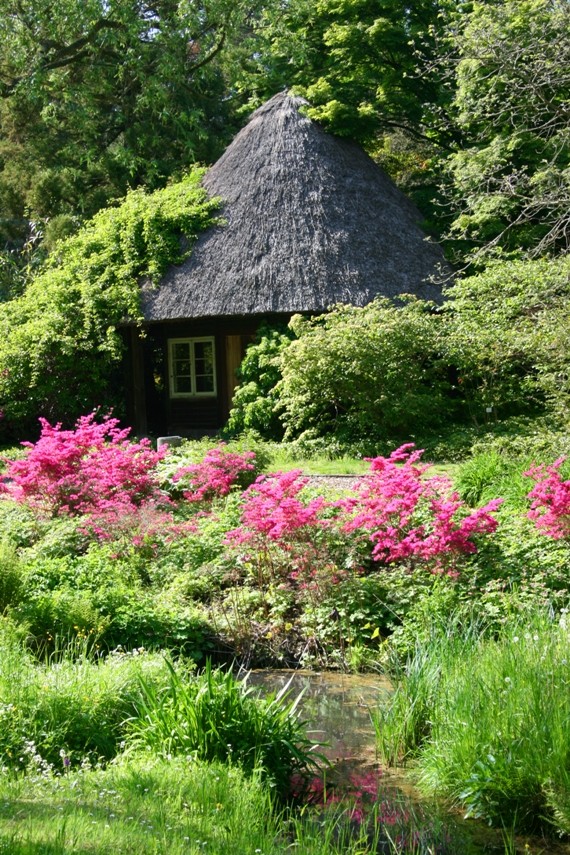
{"points": [[337, 708]]}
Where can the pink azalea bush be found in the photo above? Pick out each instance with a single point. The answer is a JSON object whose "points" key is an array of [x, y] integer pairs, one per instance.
{"points": [[406, 516], [93, 470], [219, 471], [284, 536], [396, 514], [273, 509], [550, 507]]}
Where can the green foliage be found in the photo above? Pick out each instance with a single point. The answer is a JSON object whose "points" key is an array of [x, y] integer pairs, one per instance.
{"points": [[486, 718], [507, 338], [354, 61], [11, 575], [215, 717], [84, 109], [59, 340], [364, 373], [111, 600], [510, 175], [255, 399], [486, 476], [70, 706]]}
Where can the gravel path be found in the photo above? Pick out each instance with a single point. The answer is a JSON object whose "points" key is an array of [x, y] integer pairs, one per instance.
{"points": [[336, 482]]}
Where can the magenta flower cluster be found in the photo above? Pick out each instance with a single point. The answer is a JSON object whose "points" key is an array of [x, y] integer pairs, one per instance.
{"points": [[407, 516], [550, 507], [215, 476], [272, 508], [397, 512], [93, 469]]}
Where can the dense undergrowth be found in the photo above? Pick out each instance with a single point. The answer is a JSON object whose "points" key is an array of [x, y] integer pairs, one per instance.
{"points": [[195, 554]]}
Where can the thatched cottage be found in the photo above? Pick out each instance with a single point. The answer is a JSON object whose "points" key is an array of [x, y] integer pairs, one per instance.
{"points": [[310, 221]]}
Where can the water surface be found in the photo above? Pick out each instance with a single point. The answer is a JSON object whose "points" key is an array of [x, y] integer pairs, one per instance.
{"points": [[337, 708]]}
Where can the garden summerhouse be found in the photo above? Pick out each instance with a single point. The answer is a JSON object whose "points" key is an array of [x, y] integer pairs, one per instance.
{"points": [[309, 221]]}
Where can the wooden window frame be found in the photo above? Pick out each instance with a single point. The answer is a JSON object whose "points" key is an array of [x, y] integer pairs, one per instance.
{"points": [[191, 341]]}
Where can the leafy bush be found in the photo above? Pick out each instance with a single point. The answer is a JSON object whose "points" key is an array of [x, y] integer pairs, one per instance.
{"points": [[255, 401], [364, 373], [507, 338], [109, 600]]}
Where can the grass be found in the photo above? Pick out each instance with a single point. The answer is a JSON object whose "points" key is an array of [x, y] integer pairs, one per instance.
{"points": [[218, 718], [70, 705], [488, 721], [282, 457], [146, 805]]}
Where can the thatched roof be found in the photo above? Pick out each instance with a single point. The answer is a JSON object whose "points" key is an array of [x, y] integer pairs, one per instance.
{"points": [[311, 221]]}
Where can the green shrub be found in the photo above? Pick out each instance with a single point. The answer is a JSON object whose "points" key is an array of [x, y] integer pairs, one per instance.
{"points": [[69, 706], [508, 338], [255, 401], [11, 575], [111, 600], [362, 374], [216, 718]]}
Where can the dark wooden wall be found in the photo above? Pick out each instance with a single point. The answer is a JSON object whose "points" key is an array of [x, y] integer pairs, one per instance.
{"points": [[150, 408]]}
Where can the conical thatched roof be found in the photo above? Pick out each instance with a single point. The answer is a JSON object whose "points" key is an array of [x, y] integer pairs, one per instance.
{"points": [[311, 221]]}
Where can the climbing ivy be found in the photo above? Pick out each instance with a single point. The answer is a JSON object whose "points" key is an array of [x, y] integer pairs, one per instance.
{"points": [[60, 348]]}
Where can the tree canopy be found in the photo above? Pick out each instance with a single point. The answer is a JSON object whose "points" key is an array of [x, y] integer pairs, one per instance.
{"points": [[99, 97], [466, 104]]}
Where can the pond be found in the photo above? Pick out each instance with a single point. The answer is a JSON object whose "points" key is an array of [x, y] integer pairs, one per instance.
{"points": [[337, 708]]}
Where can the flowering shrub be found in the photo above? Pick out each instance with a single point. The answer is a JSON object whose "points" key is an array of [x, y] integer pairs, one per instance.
{"points": [[91, 470], [284, 538], [219, 471], [273, 509], [550, 508], [407, 516]]}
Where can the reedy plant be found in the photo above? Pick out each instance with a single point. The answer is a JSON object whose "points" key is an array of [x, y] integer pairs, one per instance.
{"points": [[215, 717], [496, 725]]}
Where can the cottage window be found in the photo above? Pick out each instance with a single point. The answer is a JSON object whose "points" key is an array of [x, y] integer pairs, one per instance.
{"points": [[192, 367]]}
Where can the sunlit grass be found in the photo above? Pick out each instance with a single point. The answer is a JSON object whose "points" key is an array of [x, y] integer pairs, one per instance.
{"points": [[488, 721]]}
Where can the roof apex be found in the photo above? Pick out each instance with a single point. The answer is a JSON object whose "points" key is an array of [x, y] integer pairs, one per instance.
{"points": [[311, 221]]}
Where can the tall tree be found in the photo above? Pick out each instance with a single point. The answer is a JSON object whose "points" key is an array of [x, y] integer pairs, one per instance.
{"points": [[356, 62], [100, 95], [511, 177]]}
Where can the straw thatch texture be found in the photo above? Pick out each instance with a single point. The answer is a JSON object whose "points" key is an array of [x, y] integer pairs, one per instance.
{"points": [[311, 221]]}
